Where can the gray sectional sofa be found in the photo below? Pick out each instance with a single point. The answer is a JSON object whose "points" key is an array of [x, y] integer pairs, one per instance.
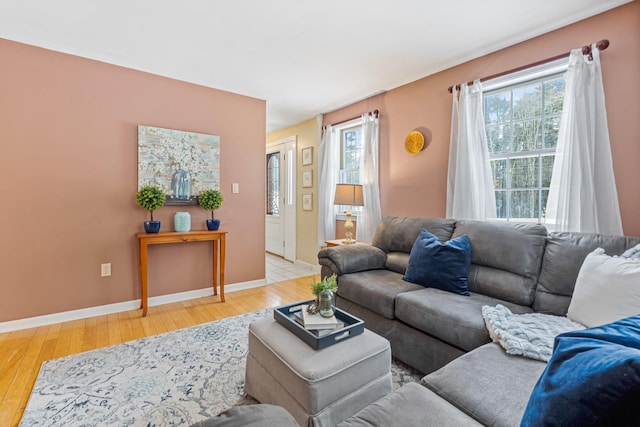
{"points": [[470, 380]]}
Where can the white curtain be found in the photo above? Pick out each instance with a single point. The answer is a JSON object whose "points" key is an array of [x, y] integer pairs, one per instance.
{"points": [[329, 164], [582, 195], [470, 193], [371, 214]]}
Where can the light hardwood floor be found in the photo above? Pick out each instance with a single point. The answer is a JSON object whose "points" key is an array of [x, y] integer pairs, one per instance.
{"points": [[22, 352]]}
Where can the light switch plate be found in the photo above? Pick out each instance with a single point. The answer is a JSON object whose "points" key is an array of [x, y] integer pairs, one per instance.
{"points": [[105, 270]]}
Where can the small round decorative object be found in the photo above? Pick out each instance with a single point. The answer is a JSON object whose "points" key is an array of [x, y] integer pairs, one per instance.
{"points": [[414, 142]]}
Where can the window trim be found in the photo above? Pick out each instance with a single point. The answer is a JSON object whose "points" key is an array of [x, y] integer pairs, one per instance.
{"points": [[543, 71]]}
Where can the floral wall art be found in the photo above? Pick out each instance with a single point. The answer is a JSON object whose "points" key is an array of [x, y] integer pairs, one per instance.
{"points": [[181, 163]]}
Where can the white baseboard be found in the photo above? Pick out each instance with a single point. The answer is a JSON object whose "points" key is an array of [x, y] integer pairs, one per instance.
{"points": [[67, 316], [315, 267]]}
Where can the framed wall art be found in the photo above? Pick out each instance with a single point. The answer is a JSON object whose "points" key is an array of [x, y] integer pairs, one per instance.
{"points": [[307, 202], [307, 156], [307, 179], [181, 163]]}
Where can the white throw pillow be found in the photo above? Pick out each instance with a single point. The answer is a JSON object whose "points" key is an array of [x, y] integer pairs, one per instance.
{"points": [[607, 289]]}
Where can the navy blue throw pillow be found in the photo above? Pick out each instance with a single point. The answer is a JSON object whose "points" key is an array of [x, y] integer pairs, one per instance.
{"points": [[440, 265], [592, 379]]}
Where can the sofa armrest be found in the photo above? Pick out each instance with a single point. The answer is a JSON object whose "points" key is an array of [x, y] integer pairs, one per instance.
{"points": [[350, 259]]}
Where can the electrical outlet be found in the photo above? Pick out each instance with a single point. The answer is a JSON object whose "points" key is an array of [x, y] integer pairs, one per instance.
{"points": [[105, 269], [235, 188]]}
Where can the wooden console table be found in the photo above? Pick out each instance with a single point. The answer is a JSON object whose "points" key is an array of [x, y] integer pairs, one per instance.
{"points": [[219, 245]]}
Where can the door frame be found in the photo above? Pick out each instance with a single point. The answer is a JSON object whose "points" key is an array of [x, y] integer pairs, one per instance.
{"points": [[288, 208]]}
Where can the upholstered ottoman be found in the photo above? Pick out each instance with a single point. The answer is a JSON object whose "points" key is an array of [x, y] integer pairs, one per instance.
{"points": [[318, 387]]}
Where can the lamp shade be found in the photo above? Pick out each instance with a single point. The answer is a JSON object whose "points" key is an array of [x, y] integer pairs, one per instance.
{"points": [[349, 194]]}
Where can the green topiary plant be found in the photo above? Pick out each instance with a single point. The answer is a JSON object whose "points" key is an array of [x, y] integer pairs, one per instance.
{"points": [[150, 198], [210, 200], [329, 282]]}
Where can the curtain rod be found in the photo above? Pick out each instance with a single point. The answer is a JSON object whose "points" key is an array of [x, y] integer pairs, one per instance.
{"points": [[586, 50], [374, 112]]}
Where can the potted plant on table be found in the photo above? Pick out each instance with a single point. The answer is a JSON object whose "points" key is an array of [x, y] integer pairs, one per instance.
{"points": [[325, 291], [151, 198], [211, 200]]}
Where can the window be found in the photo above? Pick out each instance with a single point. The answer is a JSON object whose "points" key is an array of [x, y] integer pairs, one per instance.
{"points": [[522, 122], [350, 153], [273, 183]]}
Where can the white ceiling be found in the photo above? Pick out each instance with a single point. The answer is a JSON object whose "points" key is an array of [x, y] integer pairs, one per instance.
{"points": [[304, 57]]}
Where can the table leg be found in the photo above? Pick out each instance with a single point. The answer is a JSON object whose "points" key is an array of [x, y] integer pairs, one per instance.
{"points": [[223, 246], [143, 277], [215, 266]]}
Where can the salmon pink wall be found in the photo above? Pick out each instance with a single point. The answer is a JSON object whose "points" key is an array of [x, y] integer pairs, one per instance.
{"points": [[68, 174], [416, 185]]}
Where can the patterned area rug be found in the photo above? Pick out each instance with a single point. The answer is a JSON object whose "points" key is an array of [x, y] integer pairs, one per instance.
{"points": [[176, 378]]}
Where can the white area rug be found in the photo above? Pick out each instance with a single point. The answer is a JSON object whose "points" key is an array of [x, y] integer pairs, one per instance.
{"points": [[176, 378]]}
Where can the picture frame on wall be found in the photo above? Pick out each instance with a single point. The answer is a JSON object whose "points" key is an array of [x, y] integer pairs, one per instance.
{"points": [[307, 156], [307, 179], [181, 163], [307, 202]]}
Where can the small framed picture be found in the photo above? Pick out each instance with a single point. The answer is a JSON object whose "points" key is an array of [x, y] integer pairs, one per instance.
{"points": [[307, 202], [307, 156], [307, 179]]}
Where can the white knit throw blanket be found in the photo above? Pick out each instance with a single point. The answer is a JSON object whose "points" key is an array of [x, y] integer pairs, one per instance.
{"points": [[529, 335]]}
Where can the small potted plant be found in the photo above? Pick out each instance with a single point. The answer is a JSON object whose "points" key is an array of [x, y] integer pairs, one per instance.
{"points": [[151, 198], [325, 291], [211, 200]]}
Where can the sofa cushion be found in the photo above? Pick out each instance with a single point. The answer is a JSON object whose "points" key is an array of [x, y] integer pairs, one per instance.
{"points": [[440, 265], [563, 257], [397, 234], [505, 258], [412, 405], [251, 416], [397, 261], [593, 378], [488, 384], [376, 290], [607, 289], [453, 318]]}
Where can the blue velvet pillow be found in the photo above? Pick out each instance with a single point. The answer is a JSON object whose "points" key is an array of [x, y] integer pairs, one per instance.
{"points": [[440, 265], [592, 379]]}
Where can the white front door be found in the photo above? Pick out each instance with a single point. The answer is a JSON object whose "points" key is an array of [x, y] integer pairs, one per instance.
{"points": [[281, 201]]}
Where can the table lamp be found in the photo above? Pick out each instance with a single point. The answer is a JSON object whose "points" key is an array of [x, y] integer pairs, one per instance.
{"points": [[349, 195]]}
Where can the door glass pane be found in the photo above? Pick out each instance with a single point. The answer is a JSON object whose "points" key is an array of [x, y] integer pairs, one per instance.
{"points": [[273, 183]]}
